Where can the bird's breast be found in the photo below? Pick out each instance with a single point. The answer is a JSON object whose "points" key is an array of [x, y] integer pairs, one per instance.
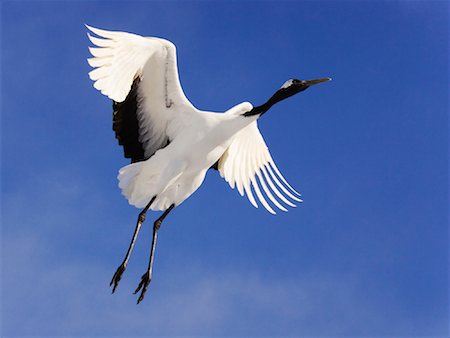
{"points": [[200, 140]]}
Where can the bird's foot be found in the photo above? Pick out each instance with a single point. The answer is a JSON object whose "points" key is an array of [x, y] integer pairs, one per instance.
{"points": [[145, 281], [117, 276]]}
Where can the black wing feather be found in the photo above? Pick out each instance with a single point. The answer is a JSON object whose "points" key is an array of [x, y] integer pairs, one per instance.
{"points": [[126, 125]]}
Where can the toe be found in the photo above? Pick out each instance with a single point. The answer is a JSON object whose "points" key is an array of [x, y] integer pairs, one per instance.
{"points": [[145, 281]]}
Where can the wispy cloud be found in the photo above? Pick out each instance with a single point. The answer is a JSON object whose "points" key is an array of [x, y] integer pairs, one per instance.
{"points": [[73, 299], [49, 297]]}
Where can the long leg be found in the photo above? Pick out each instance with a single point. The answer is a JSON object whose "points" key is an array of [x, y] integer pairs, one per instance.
{"points": [[147, 277], [118, 274]]}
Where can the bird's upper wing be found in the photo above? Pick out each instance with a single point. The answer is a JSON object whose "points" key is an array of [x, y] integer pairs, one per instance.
{"points": [[247, 161], [140, 75]]}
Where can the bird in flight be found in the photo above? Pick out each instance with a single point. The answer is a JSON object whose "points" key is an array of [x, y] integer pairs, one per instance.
{"points": [[172, 144]]}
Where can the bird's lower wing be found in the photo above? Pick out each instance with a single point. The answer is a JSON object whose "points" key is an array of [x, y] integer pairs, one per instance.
{"points": [[247, 162], [140, 75]]}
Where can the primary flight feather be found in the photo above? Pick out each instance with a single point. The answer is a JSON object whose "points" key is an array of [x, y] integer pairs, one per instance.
{"points": [[172, 144]]}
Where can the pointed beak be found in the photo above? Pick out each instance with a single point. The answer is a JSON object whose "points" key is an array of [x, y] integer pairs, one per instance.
{"points": [[313, 82]]}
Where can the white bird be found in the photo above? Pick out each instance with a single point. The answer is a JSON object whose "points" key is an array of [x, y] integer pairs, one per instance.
{"points": [[172, 144]]}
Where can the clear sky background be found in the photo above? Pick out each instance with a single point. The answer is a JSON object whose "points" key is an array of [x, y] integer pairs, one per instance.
{"points": [[366, 254]]}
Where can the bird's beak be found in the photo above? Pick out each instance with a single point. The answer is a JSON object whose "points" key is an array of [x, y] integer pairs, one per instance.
{"points": [[313, 82]]}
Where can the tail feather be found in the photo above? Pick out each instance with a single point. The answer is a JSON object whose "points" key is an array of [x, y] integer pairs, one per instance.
{"points": [[136, 188], [127, 176], [141, 181]]}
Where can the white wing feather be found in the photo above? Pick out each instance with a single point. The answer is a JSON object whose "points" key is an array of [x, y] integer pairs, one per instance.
{"points": [[119, 59], [248, 164]]}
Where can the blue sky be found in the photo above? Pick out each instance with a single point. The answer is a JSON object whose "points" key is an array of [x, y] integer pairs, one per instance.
{"points": [[366, 254]]}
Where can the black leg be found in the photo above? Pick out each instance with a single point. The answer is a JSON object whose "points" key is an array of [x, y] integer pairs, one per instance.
{"points": [[118, 274], [147, 277]]}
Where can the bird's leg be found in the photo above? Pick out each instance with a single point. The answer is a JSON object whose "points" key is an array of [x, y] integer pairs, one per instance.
{"points": [[147, 277], [118, 274]]}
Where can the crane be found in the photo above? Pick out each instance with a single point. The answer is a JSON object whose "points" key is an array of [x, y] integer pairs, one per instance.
{"points": [[172, 144]]}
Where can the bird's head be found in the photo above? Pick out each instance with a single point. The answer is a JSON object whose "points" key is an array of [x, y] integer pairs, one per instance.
{"points": [[289, 88], [294, 86]]}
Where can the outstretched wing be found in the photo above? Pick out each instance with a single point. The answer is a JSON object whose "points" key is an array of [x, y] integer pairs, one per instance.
{"points": [[246, 162], [140, 75]]}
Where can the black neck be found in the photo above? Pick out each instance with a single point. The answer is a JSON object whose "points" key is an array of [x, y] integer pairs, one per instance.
{"points": [[266, 106]]}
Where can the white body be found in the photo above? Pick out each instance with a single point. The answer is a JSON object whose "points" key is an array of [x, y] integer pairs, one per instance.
{"points": [[198, 139], [176, 171]]}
